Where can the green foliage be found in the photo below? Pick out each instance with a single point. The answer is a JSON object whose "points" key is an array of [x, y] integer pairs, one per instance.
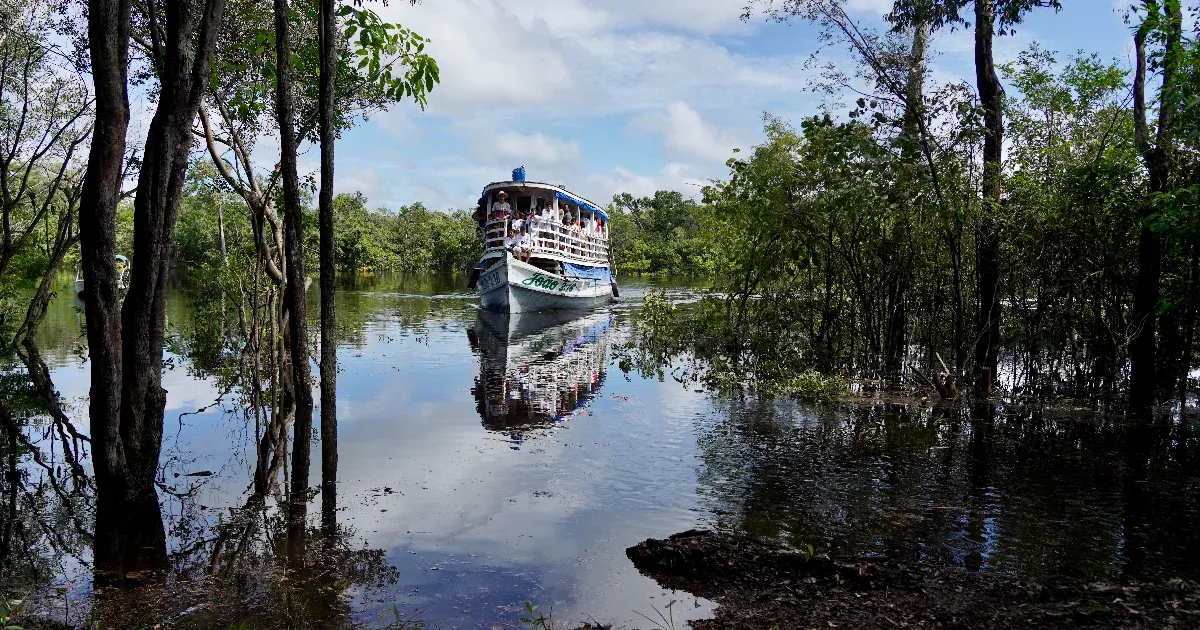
{"points": [[942, 13], [413, 239], [10, 610], [831, 243], [659, 234], [535, 619], [378, 64], [381, 47]]}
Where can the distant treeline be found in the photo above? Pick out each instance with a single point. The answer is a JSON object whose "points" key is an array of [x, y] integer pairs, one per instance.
{"points": [[659, 234], [410, 239]]}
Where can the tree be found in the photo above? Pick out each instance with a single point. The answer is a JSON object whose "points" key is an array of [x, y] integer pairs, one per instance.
{"points": [[362, 67], [45, 124], [659, 234], [294, 295], [327, 37], [991, 17], [1162, 24], [127, 400], [895, 96]]}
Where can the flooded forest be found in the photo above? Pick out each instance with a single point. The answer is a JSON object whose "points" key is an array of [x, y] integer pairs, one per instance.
{"points": [[919, 353]]}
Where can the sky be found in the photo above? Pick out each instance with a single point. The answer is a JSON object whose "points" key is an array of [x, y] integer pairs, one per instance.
{"points": [[610, 96]]}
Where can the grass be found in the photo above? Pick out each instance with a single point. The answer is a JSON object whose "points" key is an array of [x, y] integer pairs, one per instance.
{"points": [[664, 622]]}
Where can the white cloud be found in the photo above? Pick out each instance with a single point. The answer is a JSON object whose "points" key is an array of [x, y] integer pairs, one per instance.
{"points": [[601, 187], [485, 53], [574, 17], [684, 132], [565, 58], [398, 123], [620, 179], [536, 149], [876, 7], [359, 178]]}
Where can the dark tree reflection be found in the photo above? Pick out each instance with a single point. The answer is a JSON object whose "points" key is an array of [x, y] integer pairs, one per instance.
{"points": [[990, 488]]}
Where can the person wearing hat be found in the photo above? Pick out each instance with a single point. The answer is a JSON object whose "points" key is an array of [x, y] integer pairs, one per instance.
{"points": [[500, 207]]}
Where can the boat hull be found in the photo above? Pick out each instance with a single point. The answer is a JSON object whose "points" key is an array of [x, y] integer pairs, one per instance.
{"points": [[512, 286]]}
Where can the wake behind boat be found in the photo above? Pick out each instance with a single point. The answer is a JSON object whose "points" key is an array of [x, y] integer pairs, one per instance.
{"points": [[544, 249]]}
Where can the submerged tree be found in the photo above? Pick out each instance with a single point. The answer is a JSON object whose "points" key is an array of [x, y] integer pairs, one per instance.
{"points": [[126, 349], [924, 227], [1162, 25]]}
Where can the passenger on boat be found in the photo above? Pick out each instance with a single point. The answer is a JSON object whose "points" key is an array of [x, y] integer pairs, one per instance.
{"points": [[500, 207], [513, 242], [524, 246], [576, 229], [541, 223], [564, 227]]}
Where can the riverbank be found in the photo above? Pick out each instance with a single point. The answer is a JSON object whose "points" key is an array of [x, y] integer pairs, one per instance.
{"points": [[760, 586]]}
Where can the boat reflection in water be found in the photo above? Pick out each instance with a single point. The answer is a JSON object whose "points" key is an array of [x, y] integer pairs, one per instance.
{"points": [[537, 368]]}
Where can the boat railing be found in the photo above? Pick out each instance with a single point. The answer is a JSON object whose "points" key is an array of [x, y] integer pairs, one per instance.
{"points": [[553, 240]]}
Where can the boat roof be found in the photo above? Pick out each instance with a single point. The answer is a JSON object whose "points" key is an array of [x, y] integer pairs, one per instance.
{"points": [[559, 191]]}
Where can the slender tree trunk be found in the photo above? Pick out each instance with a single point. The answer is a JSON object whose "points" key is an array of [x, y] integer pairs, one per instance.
{"points": [[329, 448], [108, 35], [1143, 348], [294, 295], [1189, 323], [896, 325], [221, 235], [960, 317], [127, 399], [183, 73], [987, 248]]}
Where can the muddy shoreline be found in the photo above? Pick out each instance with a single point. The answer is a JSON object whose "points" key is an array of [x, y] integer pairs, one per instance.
{"points": [[761, 586]]}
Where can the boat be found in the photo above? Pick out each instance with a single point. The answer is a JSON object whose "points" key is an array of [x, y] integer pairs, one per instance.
{"points": [[537, 369], [565, 266], [122, 276]]}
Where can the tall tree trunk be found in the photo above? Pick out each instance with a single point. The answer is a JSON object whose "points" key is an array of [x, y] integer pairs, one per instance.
{"points": [[183, 74], [1143, 348], [329, 449], [294, 295], [987, 248], [108, 35], [127, 399], [896, 325], [1189, 323]]}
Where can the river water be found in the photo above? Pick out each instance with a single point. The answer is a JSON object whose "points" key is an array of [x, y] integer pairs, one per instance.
{"points": [[486, 462]]}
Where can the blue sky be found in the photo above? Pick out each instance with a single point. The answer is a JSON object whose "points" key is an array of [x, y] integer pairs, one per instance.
{"points": [[608, 96]]}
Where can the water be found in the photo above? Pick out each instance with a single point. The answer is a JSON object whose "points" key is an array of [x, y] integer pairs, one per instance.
{"points": [[488, 462]]}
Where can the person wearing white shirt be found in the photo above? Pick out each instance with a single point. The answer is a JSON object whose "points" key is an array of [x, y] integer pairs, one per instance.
{"points": [[500, 207], [541, 223], [513, 242], [524, 246]]}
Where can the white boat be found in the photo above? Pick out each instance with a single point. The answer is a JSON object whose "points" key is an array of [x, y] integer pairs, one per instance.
{"points": [[122, 276], [565, 266]]}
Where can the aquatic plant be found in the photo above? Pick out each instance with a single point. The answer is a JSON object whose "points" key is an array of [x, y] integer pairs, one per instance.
{"points": [[10, 609], [664, 622], [537, 620]]}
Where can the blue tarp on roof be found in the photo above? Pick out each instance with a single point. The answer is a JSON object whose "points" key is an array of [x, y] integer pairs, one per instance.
{"points": [[600, 274], [580, 202]]}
